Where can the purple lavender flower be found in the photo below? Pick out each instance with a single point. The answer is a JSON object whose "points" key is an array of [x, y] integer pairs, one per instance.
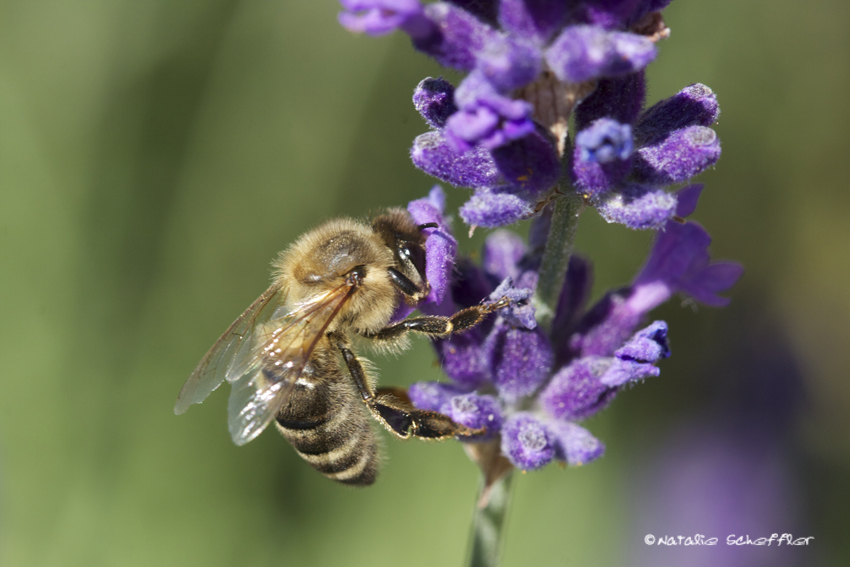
{"points": [[503, 131], [533, 67], [533, 386]]}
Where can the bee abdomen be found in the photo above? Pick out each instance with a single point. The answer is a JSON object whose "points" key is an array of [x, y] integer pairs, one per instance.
{"points": [[331, 434]]}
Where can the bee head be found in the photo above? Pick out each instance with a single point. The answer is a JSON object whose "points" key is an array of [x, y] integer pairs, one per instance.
{"points": [[405, 239]]}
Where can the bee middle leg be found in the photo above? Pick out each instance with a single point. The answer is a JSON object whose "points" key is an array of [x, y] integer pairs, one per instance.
{"points": [[392, 408]]}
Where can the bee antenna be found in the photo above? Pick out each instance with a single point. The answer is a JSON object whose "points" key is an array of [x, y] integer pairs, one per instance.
{"points": [[422, 227]]}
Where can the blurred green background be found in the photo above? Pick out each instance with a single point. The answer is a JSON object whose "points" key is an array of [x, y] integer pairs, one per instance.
{"points": [[154, 157]]}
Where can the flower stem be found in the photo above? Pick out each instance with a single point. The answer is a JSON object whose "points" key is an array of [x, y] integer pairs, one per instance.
{"points": [[488, 521], [556, 256]]}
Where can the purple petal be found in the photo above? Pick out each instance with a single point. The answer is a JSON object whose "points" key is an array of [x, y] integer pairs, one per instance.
{"points": [[486, 117], [475, 411], [573, 443], [401, 313], [677, 158], [687, 198], [379, 17], [679, 261], [431, 396], [637, 206], [434, 155], [582, 53], [526, 443], [530, 162], [535, 20], [501, 254], [492, 208], [703, 285], [440, 245], [508, 64], [434, 100], [520, 360], [459, 37], [695, 105], [604, 141], [604, 328], [576, 392]]}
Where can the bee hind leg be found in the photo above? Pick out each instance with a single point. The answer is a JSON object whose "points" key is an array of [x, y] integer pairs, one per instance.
{"points": [[391, 407]]}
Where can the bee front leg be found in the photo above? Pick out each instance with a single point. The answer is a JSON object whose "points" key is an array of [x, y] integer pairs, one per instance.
{"points": [[439, 326], [395, 412]]}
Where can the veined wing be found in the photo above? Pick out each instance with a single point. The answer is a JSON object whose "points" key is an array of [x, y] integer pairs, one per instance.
{"points": [[264, 374], [212, 369]]}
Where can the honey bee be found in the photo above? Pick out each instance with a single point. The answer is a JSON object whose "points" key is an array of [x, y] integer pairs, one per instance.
{"points": [[289, 356]]}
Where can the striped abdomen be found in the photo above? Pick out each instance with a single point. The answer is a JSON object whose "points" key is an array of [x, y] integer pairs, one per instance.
{"points": [[327, 424]]}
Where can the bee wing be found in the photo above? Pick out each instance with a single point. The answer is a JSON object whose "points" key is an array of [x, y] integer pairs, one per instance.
{"points": [[212, 369], [264, 375]]}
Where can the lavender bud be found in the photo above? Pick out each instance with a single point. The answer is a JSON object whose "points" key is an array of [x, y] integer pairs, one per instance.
{"points": [[462, 358], [431, 396], [634, 360], [637, 206], [475, 411], [501, 253], [582, 53], [434, 155], [575, 392], [526, 443], [695, 105], [677, 158], [520, 360], [434, 100], [509, 64], [520, 313], [573, 443], [458, 38], [492, 208]]}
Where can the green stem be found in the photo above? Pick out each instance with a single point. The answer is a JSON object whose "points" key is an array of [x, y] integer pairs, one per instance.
{"points": [[488, 522], [556, 256]]}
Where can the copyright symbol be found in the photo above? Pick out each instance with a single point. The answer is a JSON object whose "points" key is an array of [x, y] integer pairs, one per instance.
{"points": [[649, 539]]}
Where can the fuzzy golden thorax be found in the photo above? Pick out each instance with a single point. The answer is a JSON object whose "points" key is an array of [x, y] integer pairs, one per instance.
{"points": [[321, 260]]}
